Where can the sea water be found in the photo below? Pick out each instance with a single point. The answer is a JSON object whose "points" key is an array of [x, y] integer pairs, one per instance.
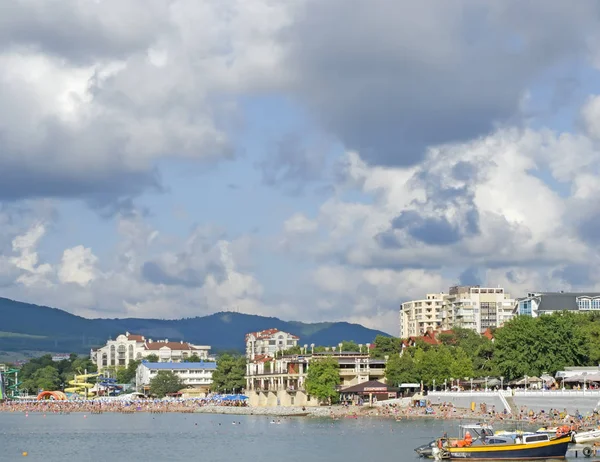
{"points": [[210, 438]]}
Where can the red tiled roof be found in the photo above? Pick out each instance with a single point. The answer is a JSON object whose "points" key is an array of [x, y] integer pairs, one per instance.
{"points": [[172, 345], [488, 333], [137, 338], [267, 333]]}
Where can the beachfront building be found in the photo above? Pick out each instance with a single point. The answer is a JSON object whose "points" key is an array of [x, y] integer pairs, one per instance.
{"points": [[539, 303], [129, 347], [268, 342], [281, 381], [193, 375], [470, 307], [419, 316]]}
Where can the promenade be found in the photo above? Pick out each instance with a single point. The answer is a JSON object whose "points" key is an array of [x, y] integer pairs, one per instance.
{"points": [[572, 400]]}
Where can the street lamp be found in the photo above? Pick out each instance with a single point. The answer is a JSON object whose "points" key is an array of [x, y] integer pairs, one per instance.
{"points": [[340, 345], [312, 348], [445, 385], [451, 383], [360, 345], [434, 385], [526, 377], [305, 348], [501, 383]]}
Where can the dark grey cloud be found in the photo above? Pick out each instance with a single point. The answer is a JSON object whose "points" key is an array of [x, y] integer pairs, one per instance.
{"points": [[82, 33], [291, 165], [576, 274], [157, 273], [392, 77], [470, 277], [429, 230]]}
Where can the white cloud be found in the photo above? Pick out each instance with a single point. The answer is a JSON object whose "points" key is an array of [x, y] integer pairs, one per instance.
{"points": [[77, 266]]}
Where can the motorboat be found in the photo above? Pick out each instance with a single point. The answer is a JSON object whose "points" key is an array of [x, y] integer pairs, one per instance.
{"points": [[496, 447], [587, 436], [479, 429]]}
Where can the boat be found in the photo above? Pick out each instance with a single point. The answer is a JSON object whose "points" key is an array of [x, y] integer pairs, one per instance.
{"points": [[587, 436], [478, 429], [495, 447]]}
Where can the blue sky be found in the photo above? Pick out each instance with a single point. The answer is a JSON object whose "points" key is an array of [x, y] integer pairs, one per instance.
{"points": [[312, 161]]}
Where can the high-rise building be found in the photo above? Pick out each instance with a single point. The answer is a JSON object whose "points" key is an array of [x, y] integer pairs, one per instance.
{"points": [[471, 307], [417, 316]]}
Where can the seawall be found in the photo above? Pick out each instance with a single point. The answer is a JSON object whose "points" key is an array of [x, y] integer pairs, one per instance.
{"points": [[583, 401]]}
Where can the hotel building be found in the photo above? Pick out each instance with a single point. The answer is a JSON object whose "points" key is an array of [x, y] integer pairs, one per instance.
{"points": [[193, 375], [130, 347], [471, 307]]}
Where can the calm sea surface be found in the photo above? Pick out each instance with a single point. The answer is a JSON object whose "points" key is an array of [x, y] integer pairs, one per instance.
{"points": [[209, 438]]}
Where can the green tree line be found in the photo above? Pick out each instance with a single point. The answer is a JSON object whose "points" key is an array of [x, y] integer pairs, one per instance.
{"points": [[523, 346]]}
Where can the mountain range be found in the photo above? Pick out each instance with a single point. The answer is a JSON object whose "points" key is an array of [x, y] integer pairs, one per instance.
{"points": [[28, 327]]}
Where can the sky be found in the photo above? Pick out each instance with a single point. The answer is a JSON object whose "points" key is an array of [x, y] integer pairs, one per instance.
{"points": [[310, 160]]}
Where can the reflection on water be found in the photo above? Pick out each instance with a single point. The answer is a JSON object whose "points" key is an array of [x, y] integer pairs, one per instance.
{"points": [[211, 438]]}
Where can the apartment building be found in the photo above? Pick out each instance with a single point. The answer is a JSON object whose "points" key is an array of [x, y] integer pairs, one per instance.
{"points": [[419, 316], [470, 307], [129, 347]]}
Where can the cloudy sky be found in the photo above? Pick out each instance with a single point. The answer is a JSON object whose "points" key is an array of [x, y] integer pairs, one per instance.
{"points": [[308, 159]]}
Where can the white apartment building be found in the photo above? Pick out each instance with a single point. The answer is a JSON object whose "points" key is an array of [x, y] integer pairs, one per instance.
{"points": [[416, 316], [130, 347], [193, 375], [471, 307], [268, 342]]}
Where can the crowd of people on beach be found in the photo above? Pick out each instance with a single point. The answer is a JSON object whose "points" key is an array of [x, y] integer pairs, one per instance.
{"points": [[443, 410], [100, 405]]}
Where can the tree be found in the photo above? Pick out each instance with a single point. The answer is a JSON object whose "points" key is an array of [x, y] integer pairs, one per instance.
{"points": [[230, 373], [461, 366], [152, 358], [350, 346], [193, 358], [322, 379], [386, 346], [401, 369], [434, 364], [127, 374], [531, 346], [295, 350], [47, 378], [165, 382]]}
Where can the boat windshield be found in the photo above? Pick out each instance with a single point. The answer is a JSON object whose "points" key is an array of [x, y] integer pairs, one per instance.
{"points": [[476, 430]]}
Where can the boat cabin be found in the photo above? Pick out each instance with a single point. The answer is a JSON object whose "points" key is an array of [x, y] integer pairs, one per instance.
{"points": [[476, 431]]}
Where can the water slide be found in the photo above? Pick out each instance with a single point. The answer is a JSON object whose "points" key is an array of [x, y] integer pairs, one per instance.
{"points": [[80, 385]]}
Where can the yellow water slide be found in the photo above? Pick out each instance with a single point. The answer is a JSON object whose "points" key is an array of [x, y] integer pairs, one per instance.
{"points": [[80, 385]]}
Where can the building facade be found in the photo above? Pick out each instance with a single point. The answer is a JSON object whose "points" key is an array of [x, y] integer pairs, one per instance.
{"points": [[418, 316], [130, 347], [281, 381], [470, 307], [193, 375], [539, 303], [268, 342]]}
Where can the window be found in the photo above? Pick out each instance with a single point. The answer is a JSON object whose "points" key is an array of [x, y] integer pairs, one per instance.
{"points": [[584, 303], [596, 304]]}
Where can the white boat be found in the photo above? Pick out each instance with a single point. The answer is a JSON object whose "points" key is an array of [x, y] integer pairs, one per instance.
{"points": [[587, 436]]}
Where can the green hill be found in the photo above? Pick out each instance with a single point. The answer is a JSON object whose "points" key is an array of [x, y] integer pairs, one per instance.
{"points": [[27, 327]]}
